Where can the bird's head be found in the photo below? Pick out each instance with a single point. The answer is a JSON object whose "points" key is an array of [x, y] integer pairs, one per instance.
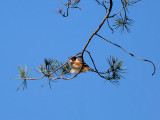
{"points": [[73, 59]]}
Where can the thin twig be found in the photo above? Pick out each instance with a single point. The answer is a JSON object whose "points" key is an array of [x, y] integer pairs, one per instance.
{"points": [[68, 5], [129, 52], [102, 4], [94, 64], [34, 78], [123, 8]]}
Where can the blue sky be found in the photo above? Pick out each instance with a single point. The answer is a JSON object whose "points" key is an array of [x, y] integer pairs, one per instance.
{"points": [[32, 30]]}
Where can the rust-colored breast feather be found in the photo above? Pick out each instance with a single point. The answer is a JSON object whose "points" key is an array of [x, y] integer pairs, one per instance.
{"points": [[78, 65]]}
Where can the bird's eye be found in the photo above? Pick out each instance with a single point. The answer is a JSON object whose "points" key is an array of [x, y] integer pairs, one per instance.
{"points": [[73, 58]]}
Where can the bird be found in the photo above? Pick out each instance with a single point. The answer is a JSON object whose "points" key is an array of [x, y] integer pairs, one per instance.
{"points": [[76, 64]]}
